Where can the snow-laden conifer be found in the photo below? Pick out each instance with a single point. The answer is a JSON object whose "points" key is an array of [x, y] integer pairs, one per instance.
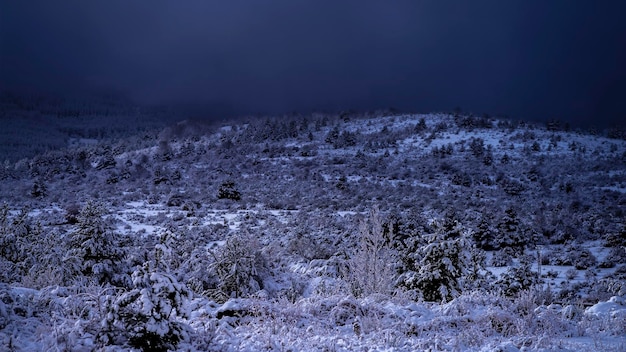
{"points": [[149, 315], [440, 263], [96, 250]]}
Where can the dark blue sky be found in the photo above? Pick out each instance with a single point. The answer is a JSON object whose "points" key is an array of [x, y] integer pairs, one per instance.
{"points": [[531, 59]]}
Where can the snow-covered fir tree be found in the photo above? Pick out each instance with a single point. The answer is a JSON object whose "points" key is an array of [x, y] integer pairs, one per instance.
{"points": [[95, 249], [149, 316], [441, 263]]}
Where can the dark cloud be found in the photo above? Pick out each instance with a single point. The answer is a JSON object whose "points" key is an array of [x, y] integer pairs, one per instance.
{"points": [[528, 59]]}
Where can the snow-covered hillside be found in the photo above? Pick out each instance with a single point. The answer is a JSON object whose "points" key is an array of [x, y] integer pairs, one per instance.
{"points": [[319, 233]]}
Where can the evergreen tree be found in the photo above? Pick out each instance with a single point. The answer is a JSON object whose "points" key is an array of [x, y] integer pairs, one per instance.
{"points": [[441, 263], [516, 279], [148, 316], [95, 249], [420, 126], [333, 135], [484, 235], [228, 190], [477, 277], [23, 247], [510, 231], [9, 248]]}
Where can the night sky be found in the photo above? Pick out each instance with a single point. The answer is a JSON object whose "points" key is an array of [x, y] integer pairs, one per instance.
{"points": [[530, 59]]}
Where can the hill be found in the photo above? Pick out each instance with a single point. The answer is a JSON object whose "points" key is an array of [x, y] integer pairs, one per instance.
{"points": [[320, 232]]}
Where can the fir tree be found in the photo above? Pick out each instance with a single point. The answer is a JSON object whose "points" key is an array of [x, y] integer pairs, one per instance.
{"points": [[441, 263], [484, 235], [511, 233], [95, 249], [148, 316]]}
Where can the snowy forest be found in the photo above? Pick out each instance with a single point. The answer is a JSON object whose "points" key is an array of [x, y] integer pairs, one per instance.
{"points": [[135, 229]]}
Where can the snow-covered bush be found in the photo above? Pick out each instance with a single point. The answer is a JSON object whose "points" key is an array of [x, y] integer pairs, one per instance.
{"points": [[10, 252], [6, 305], [616, 239], [573, 255], [149, 315], [196, 270], [615, 256], [583, 259], [605, 318], [611, 285], [77, 313], [238, 265], [526, 301], [165, 255], [309, 247], [502, 257], [346, 311], [8, 271], [473, 317], [512, 187], [16, 234], [571, 274], [516, 279], [28, 254]]}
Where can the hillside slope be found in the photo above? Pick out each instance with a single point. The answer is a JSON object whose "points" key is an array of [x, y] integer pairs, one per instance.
{"points": [[391, 232]]}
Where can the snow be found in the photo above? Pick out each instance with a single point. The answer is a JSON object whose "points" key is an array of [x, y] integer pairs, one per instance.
{"points": [[615, 306]]}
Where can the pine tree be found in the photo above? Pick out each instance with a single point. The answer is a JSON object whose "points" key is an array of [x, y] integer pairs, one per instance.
{"points": [[516, 279], [23, 247], [9, 248], [95, 249], [228, 190], [477, 278], [148, 316], [166, 258], [484, 235], [332, 135], [511, 232], [442, 262]]}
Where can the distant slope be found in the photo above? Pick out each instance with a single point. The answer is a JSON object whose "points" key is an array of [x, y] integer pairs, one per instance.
{"points": [[34, 124]]}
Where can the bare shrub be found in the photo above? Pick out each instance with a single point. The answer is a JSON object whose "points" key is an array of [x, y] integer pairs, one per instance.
{"points": [[372, 265]]}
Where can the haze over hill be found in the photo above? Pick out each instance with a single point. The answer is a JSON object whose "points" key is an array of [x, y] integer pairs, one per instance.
{"points": [[530, 60]]}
